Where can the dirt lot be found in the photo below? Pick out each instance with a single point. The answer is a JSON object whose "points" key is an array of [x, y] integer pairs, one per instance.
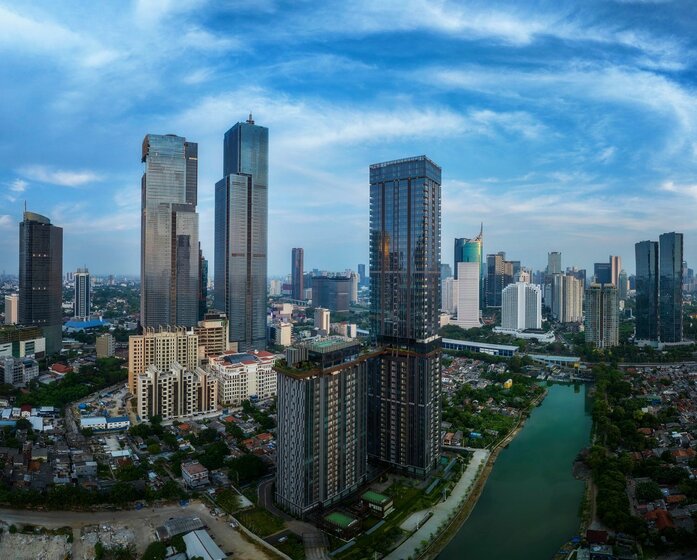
{"points": [[34, 547]]}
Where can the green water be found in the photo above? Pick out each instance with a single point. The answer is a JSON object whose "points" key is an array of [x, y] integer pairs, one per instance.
{"points": [[530, 504]]}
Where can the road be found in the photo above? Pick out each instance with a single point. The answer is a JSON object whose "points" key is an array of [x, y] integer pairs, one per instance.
{"points": [[144, 522]]}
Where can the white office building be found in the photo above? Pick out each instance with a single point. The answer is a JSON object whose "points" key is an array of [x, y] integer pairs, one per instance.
{"points": [[466, 292], [521, 307]]}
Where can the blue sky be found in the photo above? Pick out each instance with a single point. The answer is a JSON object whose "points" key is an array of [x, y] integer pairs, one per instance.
{"points": [[567, 126]]}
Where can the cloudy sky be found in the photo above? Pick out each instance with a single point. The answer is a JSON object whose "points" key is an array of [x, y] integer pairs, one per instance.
{"points": [[567, 126]]}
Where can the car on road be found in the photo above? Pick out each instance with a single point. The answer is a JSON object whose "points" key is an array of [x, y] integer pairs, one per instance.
{"points": [[283, 539]]}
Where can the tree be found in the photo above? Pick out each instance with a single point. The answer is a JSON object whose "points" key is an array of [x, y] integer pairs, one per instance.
{"points": [[247, 468], [648, 491]]}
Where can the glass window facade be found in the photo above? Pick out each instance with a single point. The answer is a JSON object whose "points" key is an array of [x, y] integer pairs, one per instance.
{"points": [[670, 248], [646, 253]]}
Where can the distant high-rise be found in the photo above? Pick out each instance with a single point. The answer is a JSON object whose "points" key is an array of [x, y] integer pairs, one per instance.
{"points": [[623, 285], [468, 277], [446, 271], [601, 320], [361, 273], [646, 290], [332, 292], [83, 295], [521, 307], [11, 309], [202, 285], [404, 389], [567, 298], [615, 267], [554, 262], [603, 273], [169, 291], [670, 320], [322, 320], [41, 278], [499, 275], [297, 263], [241, 229]]}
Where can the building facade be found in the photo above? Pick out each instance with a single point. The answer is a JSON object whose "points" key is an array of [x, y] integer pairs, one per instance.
{"points": [[499, 275], [469, 279], [241, 229], [322, 320], [332, 292], [670, 305], [169, 265], [297, 272], [105, 346], [161, 349], [244, 376], [18, 341], [41, 278], [175, 392], [322, 425], [213, 334], [567, 298], [18, 371], [554, 262], [601, 316], [11, 309], [404, 391], [83, 295], [646, 290], [521, 307]]}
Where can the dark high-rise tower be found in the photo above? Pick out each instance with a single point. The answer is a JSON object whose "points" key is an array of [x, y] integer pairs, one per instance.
{"points": [[646, 290], [241, 218], [169, 261], [41, 278], [297, 258], [405, 387], [670, 250], [83, 296], [202, 284], [499, 275]]}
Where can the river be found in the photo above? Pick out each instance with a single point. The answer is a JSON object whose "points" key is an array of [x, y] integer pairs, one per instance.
{"points": [[530, 504]]}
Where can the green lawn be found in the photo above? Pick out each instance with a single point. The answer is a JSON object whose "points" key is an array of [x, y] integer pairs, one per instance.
{"points": [[293, 547], [260, 522]]}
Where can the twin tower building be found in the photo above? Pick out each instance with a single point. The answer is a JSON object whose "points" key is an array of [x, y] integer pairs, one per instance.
{"points": [[382, 403], [173, 271]]}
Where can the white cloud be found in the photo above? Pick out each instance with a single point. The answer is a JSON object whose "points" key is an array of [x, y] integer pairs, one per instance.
{"points": [[205, 40], [6, 222], [606, 155], [18, 185], [65, 178]]}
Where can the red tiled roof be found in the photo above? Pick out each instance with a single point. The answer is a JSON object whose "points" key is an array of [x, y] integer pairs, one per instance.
{"points": [[61, 368]]}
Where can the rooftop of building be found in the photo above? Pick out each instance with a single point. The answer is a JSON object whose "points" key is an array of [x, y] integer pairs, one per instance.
{"points": [[194, 468], [341, 520], [375, 497]]}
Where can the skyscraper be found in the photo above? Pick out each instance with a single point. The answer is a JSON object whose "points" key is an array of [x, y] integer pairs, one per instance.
{"points": [[332, 292], [567, 298], [361, 273], [499, 275], [169, 265], [603, 273], [202, 284], [554, 262], [83, 296], [41, 278], [623, 285], [405, 387], [241, 226], [601, 321], [297, 263], [670, 251], [468, 276], [646, 290], [615, 268], [521, 307]]}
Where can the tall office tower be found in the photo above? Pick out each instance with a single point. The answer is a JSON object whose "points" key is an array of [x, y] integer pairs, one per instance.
{"points": [[297, 263], [322, 429], [446, 271], [405, 390], [468, 277], [554, 262], [499, 275], [161, 348], [670, 256], [623, 286], [646, 290], [169, 257], [202, 284], [332, 292], [322, 320], [567, 298], [449, 295], [521, 307], [353, 296], [601, 321], [602, 273], [213, 334], [361, 274], [83, 295], [11, 309], [41, 278], [241, 229], [615, 267]]}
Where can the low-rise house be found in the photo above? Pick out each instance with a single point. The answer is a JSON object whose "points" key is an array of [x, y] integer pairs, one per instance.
{"points": [[194, 474]]}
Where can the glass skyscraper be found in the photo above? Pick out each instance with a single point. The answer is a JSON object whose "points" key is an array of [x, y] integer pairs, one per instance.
{"points": [[41, 278], [646, 253], [169, 292], [297, 257], [670, 251], [83, 295], [405, 386], [241, 225]]}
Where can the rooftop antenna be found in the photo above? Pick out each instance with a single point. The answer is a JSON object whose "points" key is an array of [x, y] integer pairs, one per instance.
{"points": [[250, 120]]}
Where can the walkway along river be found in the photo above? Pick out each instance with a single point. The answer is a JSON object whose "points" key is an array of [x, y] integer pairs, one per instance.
{"points": [[529, 507]]}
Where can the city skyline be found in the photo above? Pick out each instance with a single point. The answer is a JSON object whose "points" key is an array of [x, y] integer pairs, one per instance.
{"points": [[594, 121]]}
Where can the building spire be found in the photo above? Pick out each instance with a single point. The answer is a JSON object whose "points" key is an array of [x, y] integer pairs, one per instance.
{"points": [[250, 120]]}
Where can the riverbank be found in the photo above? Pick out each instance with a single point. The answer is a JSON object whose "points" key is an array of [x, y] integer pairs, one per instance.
{"points": [[439, 542]]}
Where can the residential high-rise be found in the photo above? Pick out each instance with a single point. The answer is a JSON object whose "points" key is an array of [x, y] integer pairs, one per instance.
{"points": [[521, 307], [601, 320], [405, 389], [241, 228], [615, 267], [670, 257], [646, 290], [105, 345], [567, 298], [161, 348], [332, 292], [83, 295], [241, 376], [169, 265], [296, 274], [623, 286], [202, 285], [322, 320], [361, 274], [353, 295], [449, 295], [213, 334], [322, 428], [603, 273], [468, 277], [554, 262], [41, 278], [11, 309]]}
